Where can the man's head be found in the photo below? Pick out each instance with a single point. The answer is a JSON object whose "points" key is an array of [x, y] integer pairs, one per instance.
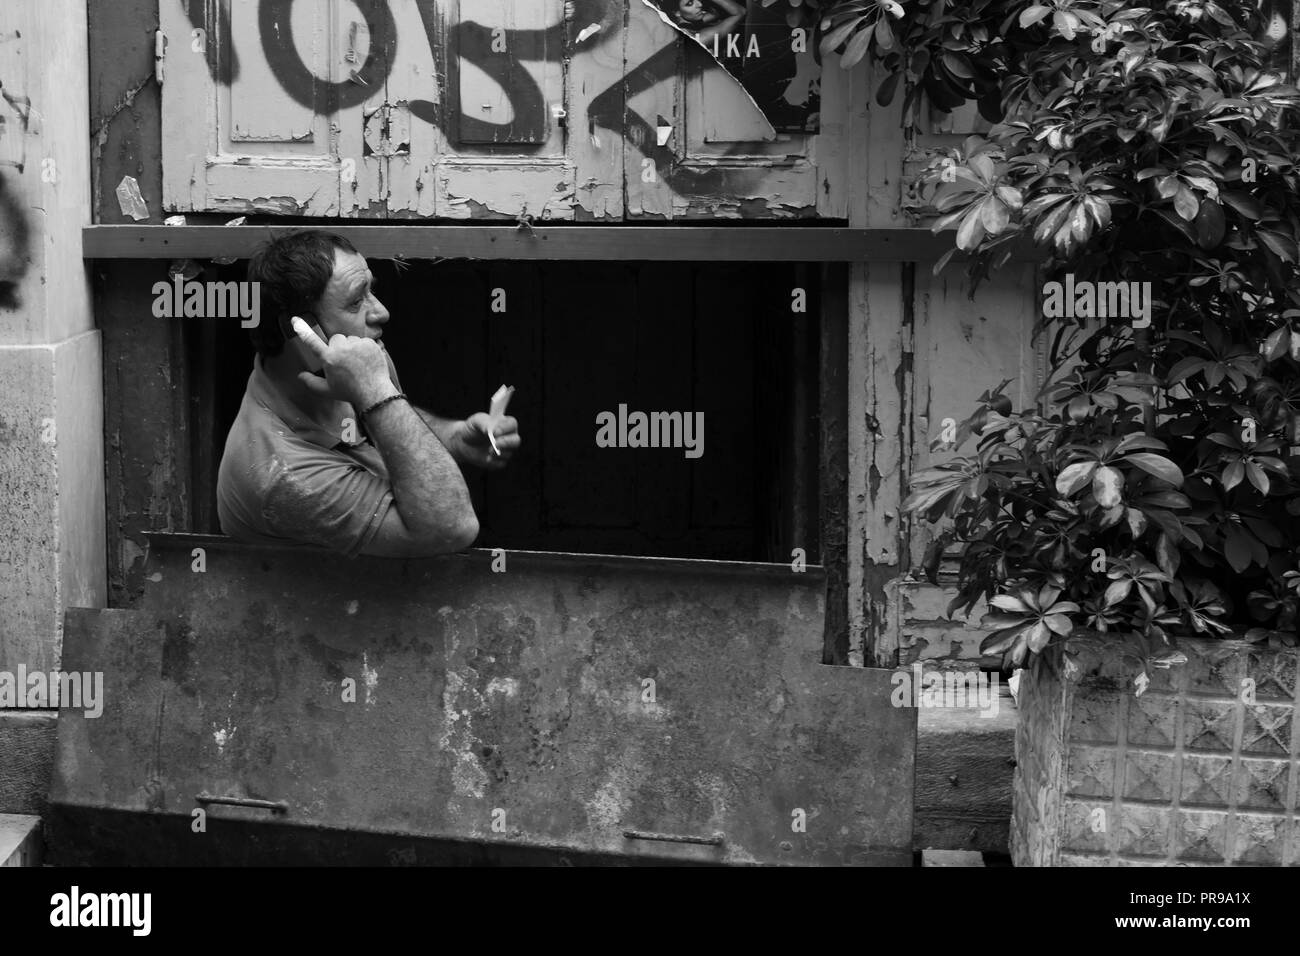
{"points": [[319, 276]]}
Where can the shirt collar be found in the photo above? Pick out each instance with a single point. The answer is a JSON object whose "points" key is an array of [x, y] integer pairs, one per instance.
{"points": [[263, 390]]}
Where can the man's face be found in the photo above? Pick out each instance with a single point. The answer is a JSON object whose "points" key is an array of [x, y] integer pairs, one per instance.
{"points": [[348, 305], [692, 10]]}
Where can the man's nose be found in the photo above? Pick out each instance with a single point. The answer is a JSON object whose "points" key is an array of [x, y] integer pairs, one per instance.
{"points": [[378, 314]]}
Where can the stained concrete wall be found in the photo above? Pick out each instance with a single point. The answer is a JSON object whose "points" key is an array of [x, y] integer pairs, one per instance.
{"points": [[51, 407]]}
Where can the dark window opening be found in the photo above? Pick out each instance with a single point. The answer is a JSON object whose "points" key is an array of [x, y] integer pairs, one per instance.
{"points": [[576, 340]]}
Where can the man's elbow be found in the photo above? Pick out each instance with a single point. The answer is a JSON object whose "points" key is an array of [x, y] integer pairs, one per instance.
{"points": [[451, 536], [465, 533]]}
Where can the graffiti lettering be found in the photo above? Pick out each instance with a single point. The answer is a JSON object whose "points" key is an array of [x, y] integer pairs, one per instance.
{"points": [[273, 23], [473, 43]]}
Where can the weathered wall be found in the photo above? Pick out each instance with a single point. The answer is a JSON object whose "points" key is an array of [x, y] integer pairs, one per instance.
{"points": [[917, 350], [51, 452], [560, 703], [592, 110]]}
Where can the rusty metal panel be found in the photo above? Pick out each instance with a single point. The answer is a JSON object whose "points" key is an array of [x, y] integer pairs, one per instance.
{"points": [[636, 708]]}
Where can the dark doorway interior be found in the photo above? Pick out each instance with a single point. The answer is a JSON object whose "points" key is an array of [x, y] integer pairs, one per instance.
{"points": [[578, 339]]}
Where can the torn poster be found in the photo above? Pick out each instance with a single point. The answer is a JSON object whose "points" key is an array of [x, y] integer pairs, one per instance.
{"points": [[775, 63]]}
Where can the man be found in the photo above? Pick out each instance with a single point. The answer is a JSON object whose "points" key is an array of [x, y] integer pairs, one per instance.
{"points": [[296, 466]]}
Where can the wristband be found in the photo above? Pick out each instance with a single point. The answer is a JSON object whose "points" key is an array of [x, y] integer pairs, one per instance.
{"points": [[382, 402]]}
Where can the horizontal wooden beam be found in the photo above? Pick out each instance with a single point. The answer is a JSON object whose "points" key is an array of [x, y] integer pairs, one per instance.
{"points": [[585, 243]]}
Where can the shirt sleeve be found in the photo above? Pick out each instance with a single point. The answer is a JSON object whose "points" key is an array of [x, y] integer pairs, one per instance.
{"points": [[328, 500]]}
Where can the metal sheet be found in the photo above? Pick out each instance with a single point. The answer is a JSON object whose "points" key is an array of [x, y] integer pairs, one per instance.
{"points": [[504, 708]]}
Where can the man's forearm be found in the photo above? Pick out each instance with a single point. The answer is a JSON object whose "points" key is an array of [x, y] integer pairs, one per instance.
{"points": [[428, 488], [444, 428]]}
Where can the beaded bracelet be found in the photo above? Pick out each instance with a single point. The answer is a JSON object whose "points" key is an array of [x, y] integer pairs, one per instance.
{"points": [[381, 403]]}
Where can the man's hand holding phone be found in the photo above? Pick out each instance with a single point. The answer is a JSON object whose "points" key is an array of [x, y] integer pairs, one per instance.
{"points": [[355, 368]]}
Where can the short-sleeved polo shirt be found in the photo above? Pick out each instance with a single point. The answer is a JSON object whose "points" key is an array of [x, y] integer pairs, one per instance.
{"points": [[285, 479]]}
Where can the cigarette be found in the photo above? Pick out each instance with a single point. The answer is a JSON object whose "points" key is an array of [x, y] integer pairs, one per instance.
{"points": [[496, 410]]}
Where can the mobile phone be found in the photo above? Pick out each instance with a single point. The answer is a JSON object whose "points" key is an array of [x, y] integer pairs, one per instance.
{"points": [[309, 357]]}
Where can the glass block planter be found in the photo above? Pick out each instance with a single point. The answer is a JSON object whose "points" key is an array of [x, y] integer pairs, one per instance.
{"points": [[1201, 769]]}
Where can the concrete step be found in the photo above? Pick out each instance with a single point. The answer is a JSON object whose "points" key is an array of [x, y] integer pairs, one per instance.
{"points": [[964, 764], [932, 857], [20, 840]]}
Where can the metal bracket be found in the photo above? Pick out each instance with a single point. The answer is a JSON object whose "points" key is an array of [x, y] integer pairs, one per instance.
{"points": [[275, 806]]}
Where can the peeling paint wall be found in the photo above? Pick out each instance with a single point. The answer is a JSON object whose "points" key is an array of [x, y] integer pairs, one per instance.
{"points": [[593, 110], [51, 452]]}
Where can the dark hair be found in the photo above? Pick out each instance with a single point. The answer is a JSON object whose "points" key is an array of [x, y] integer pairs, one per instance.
{"points": [[293, 270]]}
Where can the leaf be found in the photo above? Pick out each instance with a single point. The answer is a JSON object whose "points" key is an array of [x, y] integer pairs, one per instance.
{"points": [[1107, 486], [884, 34], [1186, 204], [1010, 195], [1007, 602], [1266, 532], [1059, 623], [1000, 641], [996, 619], [1167, 499], [1033, 15], [994, 215], [832, 40], [971, 231], [1111, 516], [1065, 23], [1117, 592], [956, 65], [1138, 439], [933, 558], [1185, 368], [1244, 203], [944, 260], [857, 47], [1167, 555], [1039, 634], [1074, 477], [1282, 245], [1157, 465], [1277, 344], [885, 95], [1210, 225], [1257, 477], [1237, 549]]}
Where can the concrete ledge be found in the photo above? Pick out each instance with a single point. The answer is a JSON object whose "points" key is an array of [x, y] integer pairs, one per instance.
{"points": [[964, 767], [20, 840], [951, 858], [27, 741]]}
